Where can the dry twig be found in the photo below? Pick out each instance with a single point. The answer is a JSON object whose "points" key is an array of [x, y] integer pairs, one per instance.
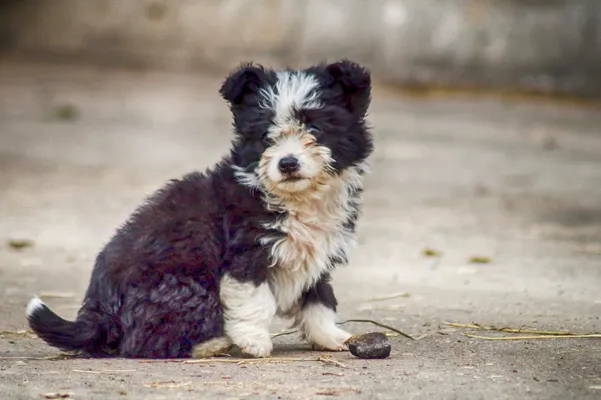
{"points": [[327, 359], [167, 385], [390, 297], [55, 295], [381, 325], [534, 333], [376, 323], [507, 330], [333, 373], [17, 333], [283, 333], [238, 361], [570, 336], [105, 371], [47, 358]]}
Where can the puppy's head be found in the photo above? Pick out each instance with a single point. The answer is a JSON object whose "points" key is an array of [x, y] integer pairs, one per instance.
{"points": [[295, 129]]}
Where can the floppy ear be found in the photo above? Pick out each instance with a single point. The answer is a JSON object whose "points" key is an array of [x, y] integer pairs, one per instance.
{"points": [[355, 83], [247, 79]]}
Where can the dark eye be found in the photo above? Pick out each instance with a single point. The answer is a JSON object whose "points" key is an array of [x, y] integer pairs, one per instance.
{"points": [[314, 130]]}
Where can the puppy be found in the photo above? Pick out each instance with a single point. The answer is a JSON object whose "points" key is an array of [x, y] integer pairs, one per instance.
{"points": [[210, 259]]}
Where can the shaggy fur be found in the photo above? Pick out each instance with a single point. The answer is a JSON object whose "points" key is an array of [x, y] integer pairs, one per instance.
{"points": [[211, 258]]}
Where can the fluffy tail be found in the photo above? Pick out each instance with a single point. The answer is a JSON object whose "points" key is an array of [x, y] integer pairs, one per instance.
{"points": [[57, 332]]}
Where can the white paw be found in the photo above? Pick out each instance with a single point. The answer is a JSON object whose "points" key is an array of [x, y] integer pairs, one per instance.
{"points": [[332, 341], [258, 348]]}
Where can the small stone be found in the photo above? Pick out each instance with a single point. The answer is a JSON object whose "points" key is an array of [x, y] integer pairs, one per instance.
{"points": [[369, 345]]}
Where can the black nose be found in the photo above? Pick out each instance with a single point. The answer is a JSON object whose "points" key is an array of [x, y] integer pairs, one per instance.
{"points": [[288, 165]]}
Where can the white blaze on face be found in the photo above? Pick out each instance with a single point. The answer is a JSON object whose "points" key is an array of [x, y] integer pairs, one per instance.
{"points": [[293, 91]]}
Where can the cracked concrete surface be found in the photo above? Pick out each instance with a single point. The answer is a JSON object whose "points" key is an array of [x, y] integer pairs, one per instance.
{"points": [[515, 182]]}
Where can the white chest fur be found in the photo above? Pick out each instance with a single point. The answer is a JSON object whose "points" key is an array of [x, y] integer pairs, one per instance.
{"points": [[313, 235]]}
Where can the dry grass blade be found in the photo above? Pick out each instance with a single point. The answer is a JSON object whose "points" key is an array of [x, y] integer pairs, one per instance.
{"points": [[216, 360], [508, 330], [390, 307], [17, 333], [327, 359], [337, 392], [390, 297], [105, 371], [246, 360], [381, 325], [55, 295], [111, 371], [57, 357], [47, 358], [167, 385], [376, 323], [571, 336], [241, 361], [284, 333]]}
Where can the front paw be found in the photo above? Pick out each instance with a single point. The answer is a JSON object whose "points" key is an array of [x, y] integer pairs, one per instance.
{"points": [[258, 348], [334, 341]]}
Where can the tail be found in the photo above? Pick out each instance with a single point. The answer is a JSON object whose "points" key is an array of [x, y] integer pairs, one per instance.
{"points": [[57, 332]]}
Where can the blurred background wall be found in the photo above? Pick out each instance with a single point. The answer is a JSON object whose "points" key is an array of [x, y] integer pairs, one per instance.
{"points": [[551, 46]]}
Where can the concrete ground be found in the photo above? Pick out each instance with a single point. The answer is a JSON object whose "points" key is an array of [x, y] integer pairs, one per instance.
{"points": [[513, 182]]}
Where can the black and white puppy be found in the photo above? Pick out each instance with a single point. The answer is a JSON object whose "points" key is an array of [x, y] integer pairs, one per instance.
{"points": [[210, 259]]}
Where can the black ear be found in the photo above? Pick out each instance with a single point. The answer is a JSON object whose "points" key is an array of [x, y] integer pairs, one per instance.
{"points": [[247, 79], [355, 83]]}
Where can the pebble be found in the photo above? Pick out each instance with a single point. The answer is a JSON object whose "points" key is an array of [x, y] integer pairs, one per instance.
{"points": [[369, 345]]}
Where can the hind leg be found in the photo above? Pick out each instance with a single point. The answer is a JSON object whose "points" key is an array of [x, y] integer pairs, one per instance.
{"points": [[212, 347], [169, 319]]}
